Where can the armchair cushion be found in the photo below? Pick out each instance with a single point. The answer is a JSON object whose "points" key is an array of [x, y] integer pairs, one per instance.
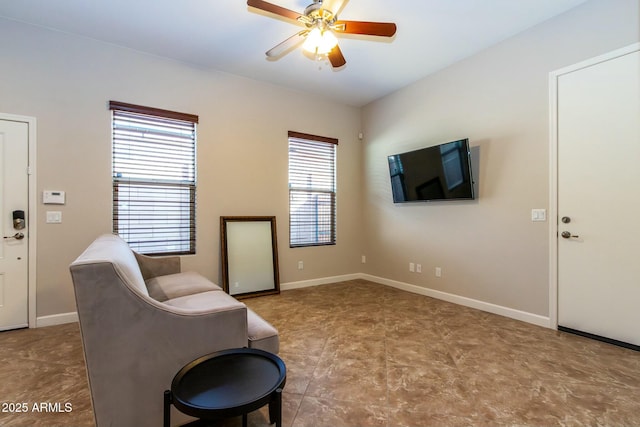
{"points": [[163, 288], [262, 335], [157, 266], [212, 300]]}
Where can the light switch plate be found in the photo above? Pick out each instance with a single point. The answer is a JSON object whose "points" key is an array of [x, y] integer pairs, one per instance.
{"points": [[538, 214], [54, 217]]}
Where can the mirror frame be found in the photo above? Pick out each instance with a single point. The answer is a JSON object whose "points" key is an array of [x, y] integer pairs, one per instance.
{"points": [[225, 244]]}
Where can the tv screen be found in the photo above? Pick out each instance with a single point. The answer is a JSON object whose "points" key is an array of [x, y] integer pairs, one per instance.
{"points": [[441, 172]]}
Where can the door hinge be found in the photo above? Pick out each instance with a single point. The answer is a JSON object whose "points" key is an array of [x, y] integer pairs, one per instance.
{"points": [[29, 172]]}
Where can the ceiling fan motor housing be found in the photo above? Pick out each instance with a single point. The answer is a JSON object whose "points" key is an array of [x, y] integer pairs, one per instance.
{"points": [[315, 12]]}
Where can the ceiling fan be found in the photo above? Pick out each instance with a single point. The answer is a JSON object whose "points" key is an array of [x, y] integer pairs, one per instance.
{"points": [[321, 23]]}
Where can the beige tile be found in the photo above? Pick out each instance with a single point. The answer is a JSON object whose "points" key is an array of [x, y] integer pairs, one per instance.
{"points": [[44, 370], [351, 380], [400, 417], [359, 347], [310, 341], [410, 352], [363, 354], [316, 412], [300, 368], [434, 388]]}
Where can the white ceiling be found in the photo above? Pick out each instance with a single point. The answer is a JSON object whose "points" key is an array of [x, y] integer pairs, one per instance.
{"points": [[228, 36]]}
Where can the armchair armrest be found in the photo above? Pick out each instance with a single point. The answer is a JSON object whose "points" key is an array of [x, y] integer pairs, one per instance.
{"points": [[151, 267]]}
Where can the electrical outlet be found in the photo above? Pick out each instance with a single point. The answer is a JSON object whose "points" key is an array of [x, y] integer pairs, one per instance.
{"points": [[412, 267], [438, 272], [364, 259], [418, 268], [300, 265]]}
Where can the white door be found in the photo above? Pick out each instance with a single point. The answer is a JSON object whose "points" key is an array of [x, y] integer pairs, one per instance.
{"points": [[14, 197], [599, 199]]}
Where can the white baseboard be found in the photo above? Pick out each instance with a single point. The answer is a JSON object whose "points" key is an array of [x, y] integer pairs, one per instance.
{"points": [[535, 319], [321, 281], [56, 319], [524, 316], [62, 318]]}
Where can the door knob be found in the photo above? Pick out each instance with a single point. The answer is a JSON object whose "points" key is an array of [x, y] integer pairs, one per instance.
{"points": [[17, 236], [568, 235]]}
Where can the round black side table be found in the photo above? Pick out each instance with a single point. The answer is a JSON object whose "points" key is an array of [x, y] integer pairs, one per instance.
{"points": [[228, 383]]}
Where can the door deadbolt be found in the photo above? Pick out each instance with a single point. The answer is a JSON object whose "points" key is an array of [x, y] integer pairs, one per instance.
{"points": [[18, 220], [566, 219]]}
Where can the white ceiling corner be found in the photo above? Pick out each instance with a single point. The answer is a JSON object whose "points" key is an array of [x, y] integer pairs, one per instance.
{"points": [[229, 37]]}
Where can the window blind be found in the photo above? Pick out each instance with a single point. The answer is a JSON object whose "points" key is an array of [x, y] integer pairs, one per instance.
{"points": [[312, 190], [154, 179]]}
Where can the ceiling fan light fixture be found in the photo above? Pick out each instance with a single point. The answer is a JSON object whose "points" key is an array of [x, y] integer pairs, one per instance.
{"points": [[320, 42], [318, 39]]}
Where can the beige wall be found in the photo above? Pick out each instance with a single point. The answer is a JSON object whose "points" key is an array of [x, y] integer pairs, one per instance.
{"points": [[488, 249], [66, 82]]}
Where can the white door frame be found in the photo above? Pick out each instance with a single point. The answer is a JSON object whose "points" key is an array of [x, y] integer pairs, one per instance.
{"points": [[32, 210], [553, 169]]}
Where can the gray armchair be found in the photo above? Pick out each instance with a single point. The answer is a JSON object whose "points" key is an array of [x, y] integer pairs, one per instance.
{"points": [[135, 344]]}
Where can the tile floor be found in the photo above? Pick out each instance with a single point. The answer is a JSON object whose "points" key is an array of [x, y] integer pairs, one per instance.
{"points": [[363, 354]]}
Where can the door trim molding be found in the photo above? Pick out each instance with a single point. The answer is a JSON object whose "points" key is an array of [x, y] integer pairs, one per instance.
{"points": [[554, 76], [32, 209]]}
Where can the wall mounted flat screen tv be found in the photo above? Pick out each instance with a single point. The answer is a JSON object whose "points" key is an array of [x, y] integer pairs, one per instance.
{"points": [[441, 172]]}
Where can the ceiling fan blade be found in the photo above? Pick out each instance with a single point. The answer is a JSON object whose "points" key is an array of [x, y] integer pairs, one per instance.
{"points": [[382, 29], [287, 45], [275, 9], [335, 6], [336, 58]]}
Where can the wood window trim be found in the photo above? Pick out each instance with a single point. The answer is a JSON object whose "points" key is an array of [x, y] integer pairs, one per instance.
{"points": [[151, 111], [307, 136]]}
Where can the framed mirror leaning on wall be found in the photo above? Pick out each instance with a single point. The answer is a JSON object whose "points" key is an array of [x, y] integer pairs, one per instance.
{"points": [[249, 255]]}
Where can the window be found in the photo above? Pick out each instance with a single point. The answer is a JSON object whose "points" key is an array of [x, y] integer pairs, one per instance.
{"points": [[154, 178], [312, 190]]}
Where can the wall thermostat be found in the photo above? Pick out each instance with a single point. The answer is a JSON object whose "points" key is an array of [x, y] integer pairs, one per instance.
{"points": [[51, 197]]}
